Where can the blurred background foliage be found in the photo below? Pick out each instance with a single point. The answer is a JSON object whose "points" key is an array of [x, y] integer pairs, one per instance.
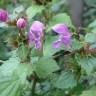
{"points": [[89, 11]]}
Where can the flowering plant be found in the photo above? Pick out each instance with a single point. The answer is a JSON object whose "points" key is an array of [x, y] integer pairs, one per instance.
{"points": [[48, 56]]}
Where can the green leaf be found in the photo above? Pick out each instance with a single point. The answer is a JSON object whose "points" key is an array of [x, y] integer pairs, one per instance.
{"points": [[45, 66], [18, 9], [23, 70], [57, 5], [23, 52], [13, 66], [60, 18], [65, 80], [3, 25], [13, 76], [90, 37], [10, 86], [87, 63], [48, 49], [92, 25], [3, 52], [33, 10], [92, 46], [90, 92], [75, 45], [94, 30], [10, 65], [78, 89], [54, 1], [35, 52], [90, 2]]}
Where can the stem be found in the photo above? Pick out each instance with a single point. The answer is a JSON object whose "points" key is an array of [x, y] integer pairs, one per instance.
{"points": [[28, 55], [34, 84], [21, 33], [41, 55], [41, 50], [34, 74]]}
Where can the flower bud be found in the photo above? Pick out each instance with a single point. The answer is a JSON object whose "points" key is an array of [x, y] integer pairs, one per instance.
{"points": [[3, 15], [21, 23]]}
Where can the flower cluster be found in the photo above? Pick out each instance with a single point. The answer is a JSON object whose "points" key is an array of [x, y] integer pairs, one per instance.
{"points": [[21, 22], [36, 31]]}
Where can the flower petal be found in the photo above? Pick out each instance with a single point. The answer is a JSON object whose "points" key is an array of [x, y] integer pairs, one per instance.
{"points": [[60, 28], [37, 26], [30, 37], [56, 44], [37, 44], [66, 40]]}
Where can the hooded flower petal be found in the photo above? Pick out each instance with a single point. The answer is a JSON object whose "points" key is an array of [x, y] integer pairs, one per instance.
{"points": [[37, 26], [36, 29], [60, 28]]}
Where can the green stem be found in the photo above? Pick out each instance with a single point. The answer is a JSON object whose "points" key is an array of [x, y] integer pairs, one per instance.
{"points": [[41, 50], [34, 84], [34, 74]]}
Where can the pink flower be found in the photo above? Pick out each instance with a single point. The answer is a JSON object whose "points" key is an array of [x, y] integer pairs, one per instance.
{"points": [[35, 33], [3, 15], [64, 35], [21, 23]]}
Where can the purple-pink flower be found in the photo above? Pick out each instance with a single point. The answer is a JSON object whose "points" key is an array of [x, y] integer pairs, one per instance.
{"points": [[21, 23], [35, 33], [64, 35], [3, 15]]}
